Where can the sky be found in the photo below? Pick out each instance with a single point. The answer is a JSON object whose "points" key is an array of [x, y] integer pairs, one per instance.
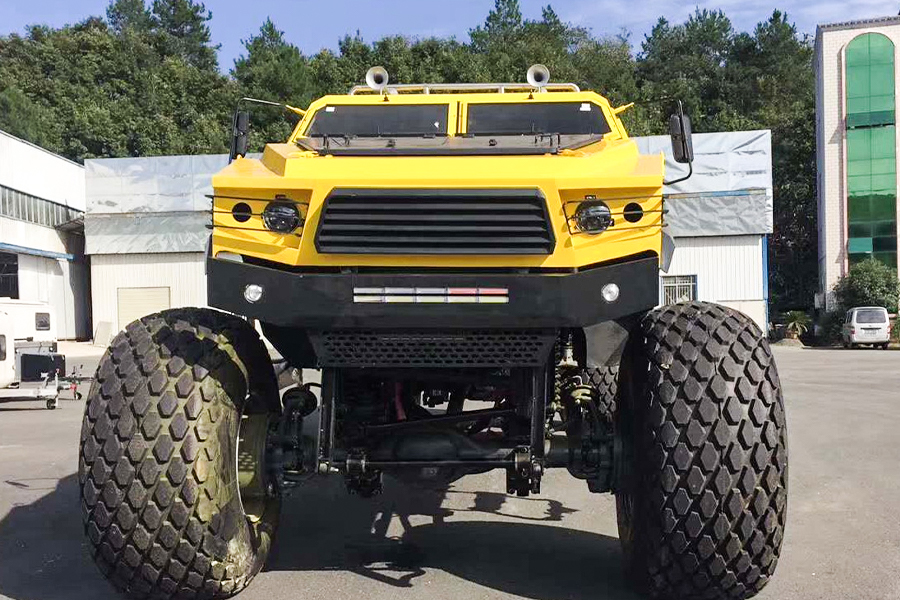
{"points": [[315, 24]]}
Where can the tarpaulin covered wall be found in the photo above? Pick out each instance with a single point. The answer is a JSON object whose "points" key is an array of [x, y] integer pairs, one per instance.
{"points": [[730, 191], [149, 205]]}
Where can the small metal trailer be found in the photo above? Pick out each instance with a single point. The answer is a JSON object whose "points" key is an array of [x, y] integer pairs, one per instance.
{"points": [[46, 386]]}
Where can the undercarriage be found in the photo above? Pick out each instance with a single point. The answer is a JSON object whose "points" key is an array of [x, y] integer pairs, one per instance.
{"points": [[433, 425]]}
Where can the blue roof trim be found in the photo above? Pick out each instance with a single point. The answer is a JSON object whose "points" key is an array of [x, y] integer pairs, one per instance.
{"points": [[35, 252]]}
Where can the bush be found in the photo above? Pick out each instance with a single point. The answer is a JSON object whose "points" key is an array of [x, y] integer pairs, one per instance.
{"points": [[830, 325], [869, 283], [796, 323]]}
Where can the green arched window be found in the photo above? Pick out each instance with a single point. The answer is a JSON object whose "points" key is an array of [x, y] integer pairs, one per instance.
{"points": [[871, 149]]}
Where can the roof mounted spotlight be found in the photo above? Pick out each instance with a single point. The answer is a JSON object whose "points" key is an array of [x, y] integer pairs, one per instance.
{"points": [[377, 79], [538, 76]]}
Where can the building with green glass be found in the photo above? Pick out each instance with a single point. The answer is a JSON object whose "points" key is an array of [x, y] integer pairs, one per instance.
{"points": [[856, 142]]}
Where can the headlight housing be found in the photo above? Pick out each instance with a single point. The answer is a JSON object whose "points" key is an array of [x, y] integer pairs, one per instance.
{"points": [[281, 217], [593, 217]]}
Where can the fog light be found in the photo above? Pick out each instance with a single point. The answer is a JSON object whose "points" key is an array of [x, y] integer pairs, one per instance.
{"points": [[253, 292], [610, 292], [593, 217], [281, 217]]}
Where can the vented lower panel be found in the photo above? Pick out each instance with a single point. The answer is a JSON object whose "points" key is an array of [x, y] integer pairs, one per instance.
{"points": [[434, 221], [489, 348]]}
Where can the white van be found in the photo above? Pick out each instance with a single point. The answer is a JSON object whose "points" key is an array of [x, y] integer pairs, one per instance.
{"points": [[31, 320], [866, 325]]}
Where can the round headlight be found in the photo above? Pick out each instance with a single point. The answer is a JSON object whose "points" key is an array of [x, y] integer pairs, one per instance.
{"points": [[593, 217], [281, 217]]}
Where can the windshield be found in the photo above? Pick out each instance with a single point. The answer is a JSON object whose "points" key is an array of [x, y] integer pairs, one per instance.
{"points": [[871, 316], [567, 118], [380, 120]]}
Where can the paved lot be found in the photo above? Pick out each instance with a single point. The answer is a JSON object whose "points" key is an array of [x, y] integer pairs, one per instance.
{"points": [[843, 537]]}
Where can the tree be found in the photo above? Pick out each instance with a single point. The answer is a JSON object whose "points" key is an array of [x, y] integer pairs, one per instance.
{"points": [[182, 30], [760, 80], [275, 70], [96, 89], [868, 283], [778, 81], [125, 15], [25, 118], [690, 62]]}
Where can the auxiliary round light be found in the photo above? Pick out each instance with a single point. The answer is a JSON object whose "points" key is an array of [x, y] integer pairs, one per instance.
{"points": [[593, 217], [610, 292], [281, 217], [253, 293], [241, 212]]}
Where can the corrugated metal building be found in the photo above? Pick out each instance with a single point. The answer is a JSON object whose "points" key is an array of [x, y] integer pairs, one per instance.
{"points": [[146, 228], [146, 235], [42, 202], [720, 219]]}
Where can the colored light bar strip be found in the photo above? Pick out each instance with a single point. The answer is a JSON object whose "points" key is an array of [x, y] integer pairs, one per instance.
{"points": [[398, 295]]}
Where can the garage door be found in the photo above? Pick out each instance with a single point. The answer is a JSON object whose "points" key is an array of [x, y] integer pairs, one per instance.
{"points": [[134, 303]]}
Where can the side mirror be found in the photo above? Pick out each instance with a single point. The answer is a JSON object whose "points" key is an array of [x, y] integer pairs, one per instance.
{"points": [[680, 132], [239, 139]]}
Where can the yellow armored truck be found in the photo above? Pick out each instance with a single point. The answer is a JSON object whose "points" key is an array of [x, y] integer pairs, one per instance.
{"points": [[474, 270]]}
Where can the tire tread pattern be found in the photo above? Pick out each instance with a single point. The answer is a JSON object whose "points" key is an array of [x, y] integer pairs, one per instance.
{"points": [[710, 453], [605, 380], [158, 495]]}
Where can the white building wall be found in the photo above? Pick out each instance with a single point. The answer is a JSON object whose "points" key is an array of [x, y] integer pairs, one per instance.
{"points": [[31, 235], [59, 282], [33, 170], [730, 270], [183, 273]]}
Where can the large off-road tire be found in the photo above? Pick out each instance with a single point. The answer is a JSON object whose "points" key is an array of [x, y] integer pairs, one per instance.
{"points": [[158, 457], [703, 491]]}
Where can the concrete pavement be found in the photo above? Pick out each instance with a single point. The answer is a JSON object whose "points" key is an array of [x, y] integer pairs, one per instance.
{"points": [[474, 541]]}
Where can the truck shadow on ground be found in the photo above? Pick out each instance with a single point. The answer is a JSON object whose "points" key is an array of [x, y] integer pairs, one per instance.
{"points": [[527, 553], [44, 556], [43, 552]]}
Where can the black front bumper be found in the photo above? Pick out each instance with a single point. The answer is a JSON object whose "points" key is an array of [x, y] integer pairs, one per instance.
{"points": [[535, 300]]}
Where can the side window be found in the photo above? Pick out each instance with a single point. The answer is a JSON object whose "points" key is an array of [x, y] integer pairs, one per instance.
{"points": [[42, 321], [2, 347]]}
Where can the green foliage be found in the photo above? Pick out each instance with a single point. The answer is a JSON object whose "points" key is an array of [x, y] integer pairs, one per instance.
{"points": [[23, 117], [272, 69], [98, 90], [145, 81], [180, 29], [796, 322], [869, 283], [830, 327]]}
